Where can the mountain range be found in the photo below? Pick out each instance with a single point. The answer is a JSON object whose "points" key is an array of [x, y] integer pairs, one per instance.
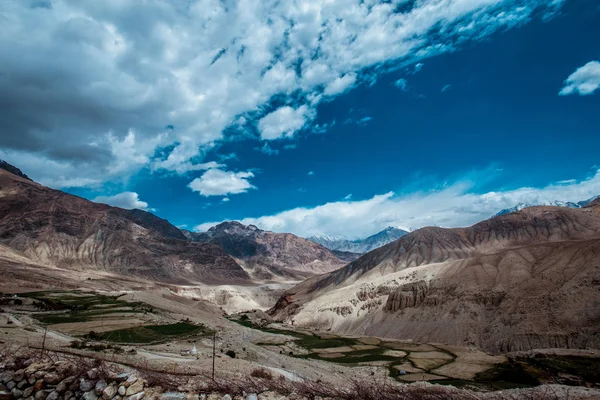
{"points": [[47, 228], [359, 246], [524, 280], [557, 203], [268, 255]]}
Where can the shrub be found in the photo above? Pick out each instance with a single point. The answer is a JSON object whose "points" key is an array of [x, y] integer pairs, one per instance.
{"points": [[262, 373]]}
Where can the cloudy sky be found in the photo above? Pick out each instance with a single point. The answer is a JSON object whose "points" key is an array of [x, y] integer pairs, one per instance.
{"points": [[312, 116]]}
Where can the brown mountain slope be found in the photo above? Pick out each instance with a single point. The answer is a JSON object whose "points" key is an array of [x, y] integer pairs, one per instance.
{"points": [[56, 229], [530, 279], [270, 255]]}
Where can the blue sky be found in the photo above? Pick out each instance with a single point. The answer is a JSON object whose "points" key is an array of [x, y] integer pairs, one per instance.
{"points": [[461, 109]]}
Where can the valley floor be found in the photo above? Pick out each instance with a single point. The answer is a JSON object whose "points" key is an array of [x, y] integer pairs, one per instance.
{"points": [[157, 329]]}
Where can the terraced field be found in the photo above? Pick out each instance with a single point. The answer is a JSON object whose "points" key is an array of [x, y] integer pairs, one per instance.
{"points": [[101, 317], [405, 361]]}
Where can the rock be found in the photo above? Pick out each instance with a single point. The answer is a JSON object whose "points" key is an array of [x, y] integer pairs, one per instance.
{"points": [[52, 378], [131, 379], [122, 377], [11, 385], [227, 397], [65, 384], [100, 386], [122, 390], [28, 392], [137, 396], [19, 375], [109, 392], [135, 388], [191, 396], [31, 379], [17, 393], [93, 373], [39, 385], [86, 386], [68, 395], [40, 395], [173, 396], [89, 396], [6, 376], [53, 396], [252, 397], [22, 384]]}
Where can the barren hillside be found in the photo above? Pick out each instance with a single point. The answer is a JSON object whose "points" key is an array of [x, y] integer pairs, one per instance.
{"points": [[55, 229], [530, 279]]}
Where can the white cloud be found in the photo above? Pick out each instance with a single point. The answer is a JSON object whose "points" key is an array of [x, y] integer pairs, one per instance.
{"points": [[584, 81], [311, 173], [453, 206], [127, 200], [401, 84], [446, 88], [340, 85], [283, 122], [418, 67], [199, 66], [348, 197], [225, 199], [216, 182]]}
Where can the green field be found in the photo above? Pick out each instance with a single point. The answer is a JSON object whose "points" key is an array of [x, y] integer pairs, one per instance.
{"points": [[65, 307]]}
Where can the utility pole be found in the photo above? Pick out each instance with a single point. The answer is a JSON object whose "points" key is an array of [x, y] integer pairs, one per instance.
{"points": [[214, 353], [44, 340]]}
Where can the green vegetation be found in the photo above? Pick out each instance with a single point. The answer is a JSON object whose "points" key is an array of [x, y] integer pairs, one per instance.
{"points": [[149, 334], [76, 306]]}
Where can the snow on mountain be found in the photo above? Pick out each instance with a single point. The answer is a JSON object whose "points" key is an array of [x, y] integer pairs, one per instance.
{"points": [[361, 246], [557, 203]]}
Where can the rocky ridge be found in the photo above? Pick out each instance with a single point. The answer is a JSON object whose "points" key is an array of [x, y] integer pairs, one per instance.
{"points": [[269, 255]]}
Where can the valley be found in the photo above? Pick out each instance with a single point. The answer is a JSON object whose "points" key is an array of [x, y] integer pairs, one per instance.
{"points": [[509, 304]]}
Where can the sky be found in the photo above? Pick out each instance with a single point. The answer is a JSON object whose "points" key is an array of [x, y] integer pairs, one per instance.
{"points": [[337, 117]]}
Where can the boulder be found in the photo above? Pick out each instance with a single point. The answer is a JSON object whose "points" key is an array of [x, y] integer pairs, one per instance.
{"points": [[40, 395], [137, 396], [109, 392], [11, 385], [28, 392], [17, 393], [53, 396], [22, 384], [173, 396], [135, 388], [86, 385], [91, 395], [69, 395], [131, 379], [93, 373], [6, 376], [39, 385], [52, 378], [65, 384], [122, 390], [100, 386]]}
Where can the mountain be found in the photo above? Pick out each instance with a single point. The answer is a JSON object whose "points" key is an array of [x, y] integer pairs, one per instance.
{"points": [[13, 170], [45, 227], [556, 203], [359, 246], [269, 255], [519, 281]]}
